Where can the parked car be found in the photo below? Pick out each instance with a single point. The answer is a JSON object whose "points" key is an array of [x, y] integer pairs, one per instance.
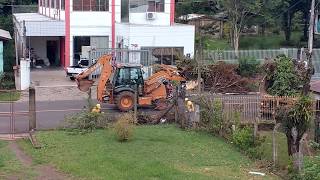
{"points": [[73, 71]]}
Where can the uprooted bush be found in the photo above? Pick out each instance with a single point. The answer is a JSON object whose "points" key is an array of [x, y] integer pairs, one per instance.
{"points": [[85, 121], [244, 139], [124, 127]]}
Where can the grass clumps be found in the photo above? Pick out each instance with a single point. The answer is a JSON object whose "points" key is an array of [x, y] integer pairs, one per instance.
{"points": [[243, 138], [124, 127]]}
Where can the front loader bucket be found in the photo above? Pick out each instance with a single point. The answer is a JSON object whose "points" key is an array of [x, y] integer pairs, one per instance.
{"points": [[84, 84]]}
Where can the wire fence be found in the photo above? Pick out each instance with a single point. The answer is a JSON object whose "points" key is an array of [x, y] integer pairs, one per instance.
{"points": [[231, 56]]}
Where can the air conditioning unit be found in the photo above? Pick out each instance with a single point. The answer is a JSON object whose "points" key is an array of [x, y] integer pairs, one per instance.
{"points": [[150, 15]]}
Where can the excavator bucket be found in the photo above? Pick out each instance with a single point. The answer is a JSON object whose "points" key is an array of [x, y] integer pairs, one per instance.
{"points": [[84, 84]]}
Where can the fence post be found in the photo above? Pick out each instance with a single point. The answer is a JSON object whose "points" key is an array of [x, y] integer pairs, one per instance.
{"points": [[32, 109], [135, 103], [274, 145]]}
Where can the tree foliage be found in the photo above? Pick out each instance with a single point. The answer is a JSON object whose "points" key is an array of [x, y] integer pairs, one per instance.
{"points": [[295, 120], [283, 78], [198, 7], [239, 13]]}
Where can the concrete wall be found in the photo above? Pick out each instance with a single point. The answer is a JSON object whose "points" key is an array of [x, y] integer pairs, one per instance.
{"points": [[1, 56]]}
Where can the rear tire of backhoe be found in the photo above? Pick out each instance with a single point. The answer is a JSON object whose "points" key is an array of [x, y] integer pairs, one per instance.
{"points": [[125, 101]]}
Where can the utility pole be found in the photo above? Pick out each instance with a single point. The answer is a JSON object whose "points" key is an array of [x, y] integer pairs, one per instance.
{"points": [[199, 55], [311, 27], [310, 69]]}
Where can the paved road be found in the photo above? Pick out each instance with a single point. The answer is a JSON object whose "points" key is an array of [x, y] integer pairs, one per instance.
{"points": [[50, 114]]}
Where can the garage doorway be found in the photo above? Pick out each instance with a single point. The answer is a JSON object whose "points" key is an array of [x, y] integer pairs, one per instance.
{"points": [[52, 53]]}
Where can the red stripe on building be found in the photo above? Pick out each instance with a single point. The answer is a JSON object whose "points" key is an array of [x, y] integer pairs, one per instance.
{"points": [[172, 12], [67, 29], [62, 49], [113, 24]]}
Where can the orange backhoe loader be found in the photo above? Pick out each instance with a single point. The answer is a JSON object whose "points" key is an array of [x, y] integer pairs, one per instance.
{"points": [[117, 84]]}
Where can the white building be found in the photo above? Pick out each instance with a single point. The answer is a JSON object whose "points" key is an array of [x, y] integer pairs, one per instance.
{"points": [[62, 30]]}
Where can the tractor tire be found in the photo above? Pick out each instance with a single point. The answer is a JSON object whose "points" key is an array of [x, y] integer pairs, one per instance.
{"points": [[125, 101]]}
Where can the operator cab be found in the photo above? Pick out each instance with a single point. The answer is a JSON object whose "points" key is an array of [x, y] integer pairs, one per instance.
{"points": [[126, 77]]}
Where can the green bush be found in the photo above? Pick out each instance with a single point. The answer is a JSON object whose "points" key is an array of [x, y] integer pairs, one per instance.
{"points": [[244, 140], [284, 79], [211, 115], [85, 121], [124, 127], [7, 81], [248, 66]]}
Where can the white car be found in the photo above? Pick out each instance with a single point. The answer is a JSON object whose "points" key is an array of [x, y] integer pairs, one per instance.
{"points": [[73, 71]]}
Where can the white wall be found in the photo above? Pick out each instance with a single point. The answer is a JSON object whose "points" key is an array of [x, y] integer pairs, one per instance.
{"points": [[93, 18], [162, 36], [140, 18]]}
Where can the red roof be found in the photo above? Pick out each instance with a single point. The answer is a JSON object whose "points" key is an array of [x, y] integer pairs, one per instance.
{"points": [[315, 86]]}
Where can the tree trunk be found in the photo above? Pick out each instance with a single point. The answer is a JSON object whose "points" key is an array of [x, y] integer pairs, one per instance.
{"points": [[236, 37], [287, 26]]}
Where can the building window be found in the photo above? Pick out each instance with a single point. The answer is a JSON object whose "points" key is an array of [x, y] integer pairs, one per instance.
{"points": [[47, 3], [52, 4], [141, 6], [62, 4], [156, 6], [162, 55], [58, 4], [91, 5]]}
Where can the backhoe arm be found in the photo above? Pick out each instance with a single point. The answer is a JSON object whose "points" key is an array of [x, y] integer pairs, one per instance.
{"points": [[166, 73], [84, 84]]}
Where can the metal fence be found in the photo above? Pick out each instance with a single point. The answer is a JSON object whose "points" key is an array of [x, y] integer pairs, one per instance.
{"points": [[14, 114], [142, 57], [250, 108], [230, 56]]}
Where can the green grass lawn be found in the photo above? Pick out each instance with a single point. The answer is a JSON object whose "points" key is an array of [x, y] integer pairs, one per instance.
{"points": [[155, 152], [9, 96], [272, 41], [281, 140], [10, 167]]}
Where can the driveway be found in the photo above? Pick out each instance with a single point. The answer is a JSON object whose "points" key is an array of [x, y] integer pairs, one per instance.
{"points": [[53, 85]]}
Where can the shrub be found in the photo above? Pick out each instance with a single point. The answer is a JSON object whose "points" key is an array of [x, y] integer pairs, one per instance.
{"points": [[211, 115], [85, 121], [243, 139], [284, 78], [124, 127], [248, 66], [7, 81]]}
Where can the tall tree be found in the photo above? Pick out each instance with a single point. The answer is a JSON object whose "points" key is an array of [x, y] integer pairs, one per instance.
{"points": [[239, 13]]}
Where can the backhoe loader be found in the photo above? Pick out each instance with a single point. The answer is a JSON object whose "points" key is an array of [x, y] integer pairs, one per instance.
{"points": [[118, 83]]}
